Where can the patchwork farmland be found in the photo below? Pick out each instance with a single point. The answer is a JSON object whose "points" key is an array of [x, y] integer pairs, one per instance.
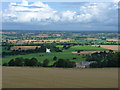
{"points": [[64, 54], [27, 64], [59, 44]]}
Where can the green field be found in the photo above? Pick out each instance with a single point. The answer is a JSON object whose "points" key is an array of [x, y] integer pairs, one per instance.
{"points": [[49, 56], [66, 54], [86, 48], [4, 49]]}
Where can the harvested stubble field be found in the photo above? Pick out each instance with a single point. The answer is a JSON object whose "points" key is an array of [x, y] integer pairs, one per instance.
{"points": [[26, 77], [87, 52], [116, 40], [23, 47], [112, 47]]}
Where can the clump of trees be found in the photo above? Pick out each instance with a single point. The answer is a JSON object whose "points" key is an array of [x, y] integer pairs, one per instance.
{"points": [[104, 59], [33, 62], [64, 63], [23, 62]]}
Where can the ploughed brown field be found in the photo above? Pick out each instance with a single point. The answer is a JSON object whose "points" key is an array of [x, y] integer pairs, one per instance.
{"points": [[26, 77], [112, 47]]}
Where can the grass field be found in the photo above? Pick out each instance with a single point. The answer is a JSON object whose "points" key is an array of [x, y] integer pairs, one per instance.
{"points": [[4, 49], [67, 54], [25, 77], [86, 48], [49, 56]]}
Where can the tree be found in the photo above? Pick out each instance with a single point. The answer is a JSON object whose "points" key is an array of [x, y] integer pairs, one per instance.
{"points": [[31, 62], [64, 46], [111, 51], [64, 63], [45, 63], [26, 62], [74, 58], [79, 51], [60, 63], [19, 62], [39, 64], [94, 65], [5, 64], [54, 58], [36, 48], [11, 62], [19, 49]]}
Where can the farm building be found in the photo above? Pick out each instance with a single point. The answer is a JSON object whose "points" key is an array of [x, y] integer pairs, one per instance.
{"points": [[84, 64]]}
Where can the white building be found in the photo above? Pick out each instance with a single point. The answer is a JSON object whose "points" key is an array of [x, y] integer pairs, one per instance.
{"points": [[47, 50], [84, 64]]}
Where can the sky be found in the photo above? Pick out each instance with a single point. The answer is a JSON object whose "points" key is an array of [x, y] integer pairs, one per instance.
{"points": [[59, 16]]}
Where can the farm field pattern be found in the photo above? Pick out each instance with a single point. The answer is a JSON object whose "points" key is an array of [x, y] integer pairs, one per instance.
{"points": [[60, 44], [70, 46]]}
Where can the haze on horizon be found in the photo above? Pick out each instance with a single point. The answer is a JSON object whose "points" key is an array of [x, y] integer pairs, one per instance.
{"points": [[62, 16]]}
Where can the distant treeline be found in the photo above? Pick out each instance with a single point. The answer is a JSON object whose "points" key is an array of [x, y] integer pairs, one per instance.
{"points": [[43, 47], [92, 42]]}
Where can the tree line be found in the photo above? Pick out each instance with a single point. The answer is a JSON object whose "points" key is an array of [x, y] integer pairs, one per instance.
{"points": [[33, 62], [43, 47]]}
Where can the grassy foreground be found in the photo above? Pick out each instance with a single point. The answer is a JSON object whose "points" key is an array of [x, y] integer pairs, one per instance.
{"points": [[26, 77]]}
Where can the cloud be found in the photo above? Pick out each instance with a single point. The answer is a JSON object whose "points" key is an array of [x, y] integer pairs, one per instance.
{"points": [[41, 13], [68, 16], [28, 13], [0, 16], [116, 1]]}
